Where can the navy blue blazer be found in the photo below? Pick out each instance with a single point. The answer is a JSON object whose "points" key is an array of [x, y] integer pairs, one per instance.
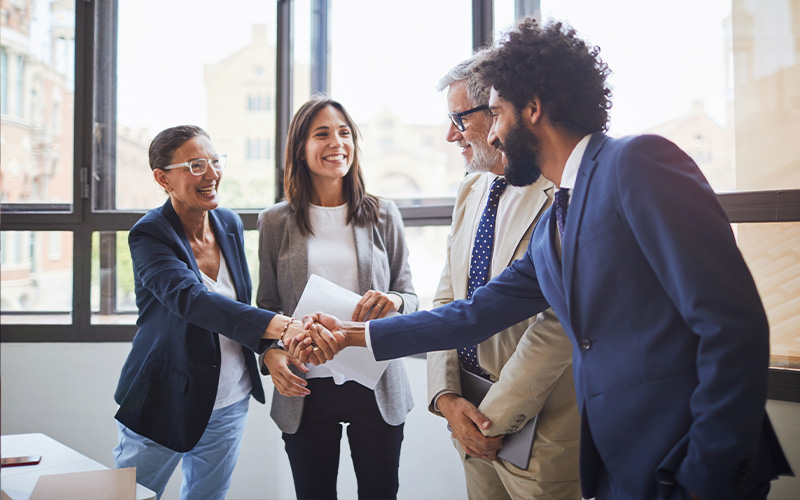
{"points": [[670, 339], [168, 384]]}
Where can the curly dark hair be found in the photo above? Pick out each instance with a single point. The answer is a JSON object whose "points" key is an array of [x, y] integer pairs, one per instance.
{"points": [[551, 62]]}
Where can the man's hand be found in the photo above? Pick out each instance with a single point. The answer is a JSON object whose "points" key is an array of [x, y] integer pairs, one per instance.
{"points": [[466, 422], [317, 344], [287, 383]]}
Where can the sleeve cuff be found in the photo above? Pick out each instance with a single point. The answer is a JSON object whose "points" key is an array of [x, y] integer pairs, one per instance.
{"points": [[367, 338], [441, 393]]}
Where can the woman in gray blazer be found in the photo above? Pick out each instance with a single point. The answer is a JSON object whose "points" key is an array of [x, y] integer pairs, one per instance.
{"points": [[331, 227]]}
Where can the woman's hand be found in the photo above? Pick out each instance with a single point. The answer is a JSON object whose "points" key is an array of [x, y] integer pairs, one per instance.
{"points": [[292, 330], [374, 305], [287, 383], [316, 345]]}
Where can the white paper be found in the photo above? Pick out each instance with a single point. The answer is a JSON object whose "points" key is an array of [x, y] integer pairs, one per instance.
{"points": [[356, 363]]}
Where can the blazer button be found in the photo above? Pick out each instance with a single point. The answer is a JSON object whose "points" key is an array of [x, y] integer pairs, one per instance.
{"points": [[586, 344]]}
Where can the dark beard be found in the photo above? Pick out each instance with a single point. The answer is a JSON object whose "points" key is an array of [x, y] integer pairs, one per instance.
{"points": [[522, 155]]}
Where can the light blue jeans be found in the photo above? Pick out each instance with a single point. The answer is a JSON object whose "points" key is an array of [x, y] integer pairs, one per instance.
{"points": [[207, 467]]}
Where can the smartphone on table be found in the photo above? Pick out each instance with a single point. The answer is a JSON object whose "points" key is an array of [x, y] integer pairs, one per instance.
{"points": [[24, 460]]}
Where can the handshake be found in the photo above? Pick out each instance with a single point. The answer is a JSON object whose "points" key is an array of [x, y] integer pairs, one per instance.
{"points": [[319, 337]]}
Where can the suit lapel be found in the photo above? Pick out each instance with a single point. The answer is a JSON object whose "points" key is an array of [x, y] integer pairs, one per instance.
{"points": [[551, 255], [577, 207], [520, 217], [225, 238], [364, 244], [169, 213], [298, 256]]}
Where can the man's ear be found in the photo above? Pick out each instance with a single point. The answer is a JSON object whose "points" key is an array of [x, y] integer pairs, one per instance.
{"points": [[161, 178], [532, 112]]}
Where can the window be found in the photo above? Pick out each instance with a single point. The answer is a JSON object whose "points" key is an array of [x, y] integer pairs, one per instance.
{"points": [[82, 93], [36, 276], [36, 105], [396, 113], [202, 81], [772, 251], [3, 80]]}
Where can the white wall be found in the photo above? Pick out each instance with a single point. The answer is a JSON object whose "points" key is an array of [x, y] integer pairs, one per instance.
{"points": [[66, 391]]}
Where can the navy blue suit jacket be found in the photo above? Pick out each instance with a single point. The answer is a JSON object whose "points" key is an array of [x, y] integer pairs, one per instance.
{"points": [[168, 384], [670, 339]]}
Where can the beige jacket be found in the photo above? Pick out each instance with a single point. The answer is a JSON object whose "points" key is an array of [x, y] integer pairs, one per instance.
{"points": [[531, 362]]}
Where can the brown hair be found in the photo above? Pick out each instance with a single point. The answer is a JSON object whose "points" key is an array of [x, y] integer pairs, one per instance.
{"points": [[362, 208], [163, 147]]}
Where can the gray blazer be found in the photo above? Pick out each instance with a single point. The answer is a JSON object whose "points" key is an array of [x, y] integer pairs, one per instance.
{"points": [[382, 265]]}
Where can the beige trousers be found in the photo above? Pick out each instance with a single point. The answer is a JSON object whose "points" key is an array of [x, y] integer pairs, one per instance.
{"points": [[492, 480]]}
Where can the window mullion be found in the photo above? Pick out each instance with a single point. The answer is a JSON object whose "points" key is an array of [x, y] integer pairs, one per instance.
{"points": [[84, 91]]}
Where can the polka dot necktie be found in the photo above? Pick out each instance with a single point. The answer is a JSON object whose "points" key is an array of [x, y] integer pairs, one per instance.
{"points": [[480, 264], [560, 205]]}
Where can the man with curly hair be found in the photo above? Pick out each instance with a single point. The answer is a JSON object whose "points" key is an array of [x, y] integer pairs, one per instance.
{"points": [[637, 258], [530, 363]]}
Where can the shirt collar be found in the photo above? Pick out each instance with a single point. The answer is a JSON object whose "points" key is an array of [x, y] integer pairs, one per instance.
{"points": [[570, 173]]}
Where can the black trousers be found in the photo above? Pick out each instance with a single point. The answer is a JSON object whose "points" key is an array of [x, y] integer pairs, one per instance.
{"points": [[314, 449]]}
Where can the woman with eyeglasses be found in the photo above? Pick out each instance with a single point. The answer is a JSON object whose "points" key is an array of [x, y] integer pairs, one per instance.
{"points": [[185, 388], [331, 227]]}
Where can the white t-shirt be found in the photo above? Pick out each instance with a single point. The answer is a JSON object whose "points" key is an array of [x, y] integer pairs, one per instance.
{"points": [[234, 383], [332, 255]]}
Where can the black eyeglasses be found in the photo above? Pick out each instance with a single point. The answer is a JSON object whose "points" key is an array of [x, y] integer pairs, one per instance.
{"points": [[456, 117]]}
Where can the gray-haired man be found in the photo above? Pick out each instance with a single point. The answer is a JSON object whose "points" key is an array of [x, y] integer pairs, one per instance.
{"points": [[530, 363]]}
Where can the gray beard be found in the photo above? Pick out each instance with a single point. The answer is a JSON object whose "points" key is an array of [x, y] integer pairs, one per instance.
{"points": [[483, 160]]}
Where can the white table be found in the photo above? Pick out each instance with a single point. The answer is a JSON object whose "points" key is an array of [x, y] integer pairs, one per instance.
{"points": [[18, 482]]}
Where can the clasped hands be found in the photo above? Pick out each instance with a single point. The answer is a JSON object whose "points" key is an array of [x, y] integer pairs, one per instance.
{"points": [[318, 337], [323, 335], [315, 339]]}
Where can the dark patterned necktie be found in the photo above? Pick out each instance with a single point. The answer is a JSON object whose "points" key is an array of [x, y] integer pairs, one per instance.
{"points": [[560, 205], [480, 264]]}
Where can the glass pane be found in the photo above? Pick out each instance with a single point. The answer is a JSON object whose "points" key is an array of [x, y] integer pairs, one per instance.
{"points": [[766, 75], [37, 52], [772, 252], [725, 88], [112, 293], [674, 85], [504, 16], [36, 277], [222, 80], [390, 90], [427, 249]]}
